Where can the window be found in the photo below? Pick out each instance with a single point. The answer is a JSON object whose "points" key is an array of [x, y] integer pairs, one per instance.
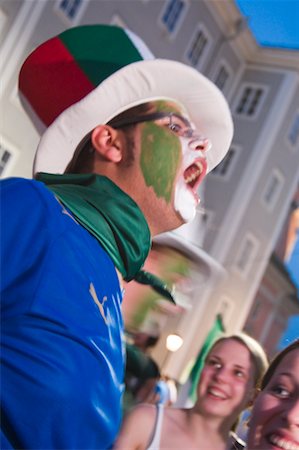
{"points": [[293, 135], [198, 47], [222, 77], [246, 256], [5, 158], [273, 189], [250, 100], [225, 168], [173, 14], [71, 10]]}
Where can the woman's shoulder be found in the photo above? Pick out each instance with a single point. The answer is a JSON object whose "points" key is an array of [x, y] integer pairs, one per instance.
{"points": [[137, 427], [141, 413]]}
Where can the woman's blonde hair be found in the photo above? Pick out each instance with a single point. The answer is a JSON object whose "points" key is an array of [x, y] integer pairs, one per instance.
{"points": [[257, 353], [258, 357]]}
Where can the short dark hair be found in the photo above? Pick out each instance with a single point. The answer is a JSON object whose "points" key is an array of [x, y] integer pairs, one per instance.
{"points": [[84, 153], [276, 361]]}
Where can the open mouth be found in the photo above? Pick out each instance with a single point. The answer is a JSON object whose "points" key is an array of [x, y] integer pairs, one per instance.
{"points": [[216, 393], [195, 173]]}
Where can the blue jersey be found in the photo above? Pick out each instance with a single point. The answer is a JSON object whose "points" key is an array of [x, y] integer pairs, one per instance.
{"points": [[61, 327]]}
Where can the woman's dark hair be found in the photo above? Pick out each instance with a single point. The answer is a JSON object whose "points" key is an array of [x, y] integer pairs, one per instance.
{"points": [[84, 153], [276, 361]]}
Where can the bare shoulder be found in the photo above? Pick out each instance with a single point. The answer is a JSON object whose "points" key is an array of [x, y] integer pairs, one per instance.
{"points": [[142, 412], [136, 428]]}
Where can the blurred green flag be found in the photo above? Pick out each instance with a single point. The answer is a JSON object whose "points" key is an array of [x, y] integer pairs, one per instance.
{"points": [[215, 332]]}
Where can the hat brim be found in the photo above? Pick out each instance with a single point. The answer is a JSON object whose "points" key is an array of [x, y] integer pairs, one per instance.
{"points": [[132, 85], [194, 253]]}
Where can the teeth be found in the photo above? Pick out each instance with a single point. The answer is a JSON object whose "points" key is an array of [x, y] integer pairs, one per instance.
{"points": [[192, 177], [283, 443], [216, 393], [195, 173], [199, 165]]}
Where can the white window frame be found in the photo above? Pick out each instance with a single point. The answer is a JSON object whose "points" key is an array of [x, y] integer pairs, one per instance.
{"points": [[254, 87], [5, 146], [163, 24], [223, 64], [294, 127], [226, 167], [63, 14], [206, 50], [272, 193], [245, 262]]}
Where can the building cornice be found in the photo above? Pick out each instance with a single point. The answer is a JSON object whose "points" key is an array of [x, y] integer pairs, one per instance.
{"points": [[245, 43]]}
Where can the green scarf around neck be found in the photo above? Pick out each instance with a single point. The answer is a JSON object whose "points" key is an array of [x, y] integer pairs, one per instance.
{"points": [[112, 217]]}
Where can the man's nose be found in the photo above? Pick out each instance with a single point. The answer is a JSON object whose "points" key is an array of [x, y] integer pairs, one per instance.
{"points": [[291, 412], [200, 143]]}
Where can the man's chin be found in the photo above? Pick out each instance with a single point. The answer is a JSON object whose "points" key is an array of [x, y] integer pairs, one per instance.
{"points": [[185, 207], [186, 215], [185, 204]]}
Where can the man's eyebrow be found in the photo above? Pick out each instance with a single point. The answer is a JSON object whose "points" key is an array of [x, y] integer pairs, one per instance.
{"points": [[182, 118]]}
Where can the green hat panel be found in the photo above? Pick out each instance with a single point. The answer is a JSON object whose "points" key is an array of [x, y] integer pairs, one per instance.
{"points": [[100, 51]]}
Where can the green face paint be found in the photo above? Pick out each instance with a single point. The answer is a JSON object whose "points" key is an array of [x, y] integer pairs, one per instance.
{"points": [[160, 159], [163, 106]]}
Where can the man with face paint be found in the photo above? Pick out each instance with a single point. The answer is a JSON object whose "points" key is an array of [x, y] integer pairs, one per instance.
{"points": [[126, 142]]}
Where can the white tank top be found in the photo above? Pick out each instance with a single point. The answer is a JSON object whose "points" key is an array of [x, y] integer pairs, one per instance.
{"points": [[156, 434]]}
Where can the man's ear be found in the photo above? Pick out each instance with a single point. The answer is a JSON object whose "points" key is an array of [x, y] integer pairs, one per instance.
{"points": [[107, 143]]}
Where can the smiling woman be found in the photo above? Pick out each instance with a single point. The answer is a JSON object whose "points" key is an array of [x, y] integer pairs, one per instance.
{"points": [[232, 370], [274, 424]]}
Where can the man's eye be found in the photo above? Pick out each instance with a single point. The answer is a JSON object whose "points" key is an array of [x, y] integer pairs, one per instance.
{"points": [[175, 127]]}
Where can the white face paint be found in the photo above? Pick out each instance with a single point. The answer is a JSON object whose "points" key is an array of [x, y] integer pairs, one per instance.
{"points": [[193, 171], [185, 202]]}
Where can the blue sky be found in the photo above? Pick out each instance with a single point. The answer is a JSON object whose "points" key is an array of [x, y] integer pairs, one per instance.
{"points": [[293, 264], [275, 23]]}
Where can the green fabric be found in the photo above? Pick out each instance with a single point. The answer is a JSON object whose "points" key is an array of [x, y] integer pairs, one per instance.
{"points": [[113, 218], [157, 284], [109, 49], [107, 213], [215, 332]]}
